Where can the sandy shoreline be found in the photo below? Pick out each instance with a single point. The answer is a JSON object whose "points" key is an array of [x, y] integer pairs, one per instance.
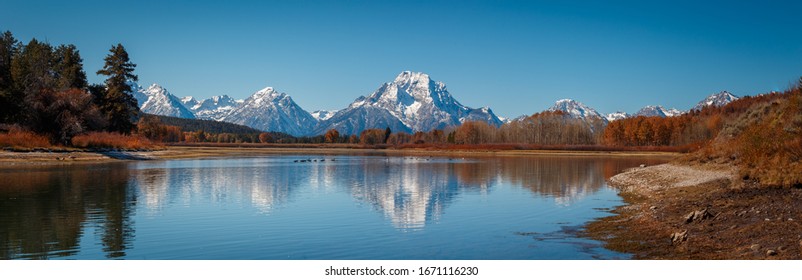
{"points": [[179, 152], [695, 212]]}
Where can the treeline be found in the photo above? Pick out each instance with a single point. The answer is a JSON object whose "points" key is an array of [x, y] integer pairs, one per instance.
{"points": [[552, 128], [205, 125], [546, 128], [686, 129], [44, 90], [173, 130], [697, 127]]}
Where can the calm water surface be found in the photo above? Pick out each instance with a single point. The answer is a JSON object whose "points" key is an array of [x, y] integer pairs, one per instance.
{"points": [[346, 207]]}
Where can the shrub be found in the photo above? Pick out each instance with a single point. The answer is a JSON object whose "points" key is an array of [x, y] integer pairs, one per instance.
{"points": [[20, 138], [111, 140]]}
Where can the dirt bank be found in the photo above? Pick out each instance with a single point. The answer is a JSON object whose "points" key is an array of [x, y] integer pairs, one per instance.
{"points": [[695, 212], [67, 157]]}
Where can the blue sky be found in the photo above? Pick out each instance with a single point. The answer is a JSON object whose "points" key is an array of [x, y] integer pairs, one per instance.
{"points": [[516, 57]]}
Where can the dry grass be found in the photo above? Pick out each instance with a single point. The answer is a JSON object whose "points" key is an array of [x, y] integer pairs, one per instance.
{"points": [[763, 138], [17, 138], [109, 140]]}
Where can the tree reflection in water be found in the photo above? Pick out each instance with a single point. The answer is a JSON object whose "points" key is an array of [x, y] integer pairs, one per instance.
{"points": [[44, 210]]}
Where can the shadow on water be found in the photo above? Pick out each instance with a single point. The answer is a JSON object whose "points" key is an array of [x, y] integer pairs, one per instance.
{"points": [[43, 211]]}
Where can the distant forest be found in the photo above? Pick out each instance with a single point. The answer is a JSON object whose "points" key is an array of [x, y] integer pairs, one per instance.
{"points": [[205, 125]]}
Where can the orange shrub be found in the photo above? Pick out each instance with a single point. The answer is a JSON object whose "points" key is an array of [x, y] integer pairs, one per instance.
{"points": [[20, 138], [110, 140]]}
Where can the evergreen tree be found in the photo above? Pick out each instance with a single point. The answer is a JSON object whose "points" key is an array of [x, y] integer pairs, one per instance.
{"points": [[9, 105], [387, 133], [117, 104], [69, 68], [98, 92], [32, 76], [31, 68]]}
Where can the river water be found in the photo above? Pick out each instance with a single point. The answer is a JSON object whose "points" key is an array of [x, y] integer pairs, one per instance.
{"points": [[310, 207]]}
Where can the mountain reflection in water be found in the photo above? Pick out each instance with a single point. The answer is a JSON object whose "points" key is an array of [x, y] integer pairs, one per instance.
{"points": [[68, 211]]}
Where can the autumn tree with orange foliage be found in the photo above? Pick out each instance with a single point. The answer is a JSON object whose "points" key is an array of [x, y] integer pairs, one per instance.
{"points": [[332, 136], [265, 137], [372, 136], [151, 128], [686, 129]]}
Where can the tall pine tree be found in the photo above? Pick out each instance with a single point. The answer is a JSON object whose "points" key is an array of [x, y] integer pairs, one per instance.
{"points": [[117, 103], [69, 68]]}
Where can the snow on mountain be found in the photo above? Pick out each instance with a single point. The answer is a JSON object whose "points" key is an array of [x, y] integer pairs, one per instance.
{"points": [[322, 115], [658, 111], [504, 120], [189, 102], [270, 110], [717, 100], [673, 112], [138, 92], [412, 102], [215, 108], [576, 109], [157, 100], [617, 116]]}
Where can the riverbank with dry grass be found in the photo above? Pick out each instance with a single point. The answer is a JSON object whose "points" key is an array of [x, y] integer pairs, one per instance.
{"points": [[66, 156], [701, 212]]}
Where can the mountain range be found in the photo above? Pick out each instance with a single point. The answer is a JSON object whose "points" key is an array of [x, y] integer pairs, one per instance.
{"points": [[411, 102], [581, 111], [215, 108]]}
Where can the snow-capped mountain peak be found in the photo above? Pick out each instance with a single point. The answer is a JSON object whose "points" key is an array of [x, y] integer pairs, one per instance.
{"points": [[267, 94], [270, 110], [323, 115], [409, 77], [411, 102], [657, 111], [158, 101], [618, 115], [575, 109], [156, 88], [214, 108], [189, 102], [216, 102], [716, 100]]}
